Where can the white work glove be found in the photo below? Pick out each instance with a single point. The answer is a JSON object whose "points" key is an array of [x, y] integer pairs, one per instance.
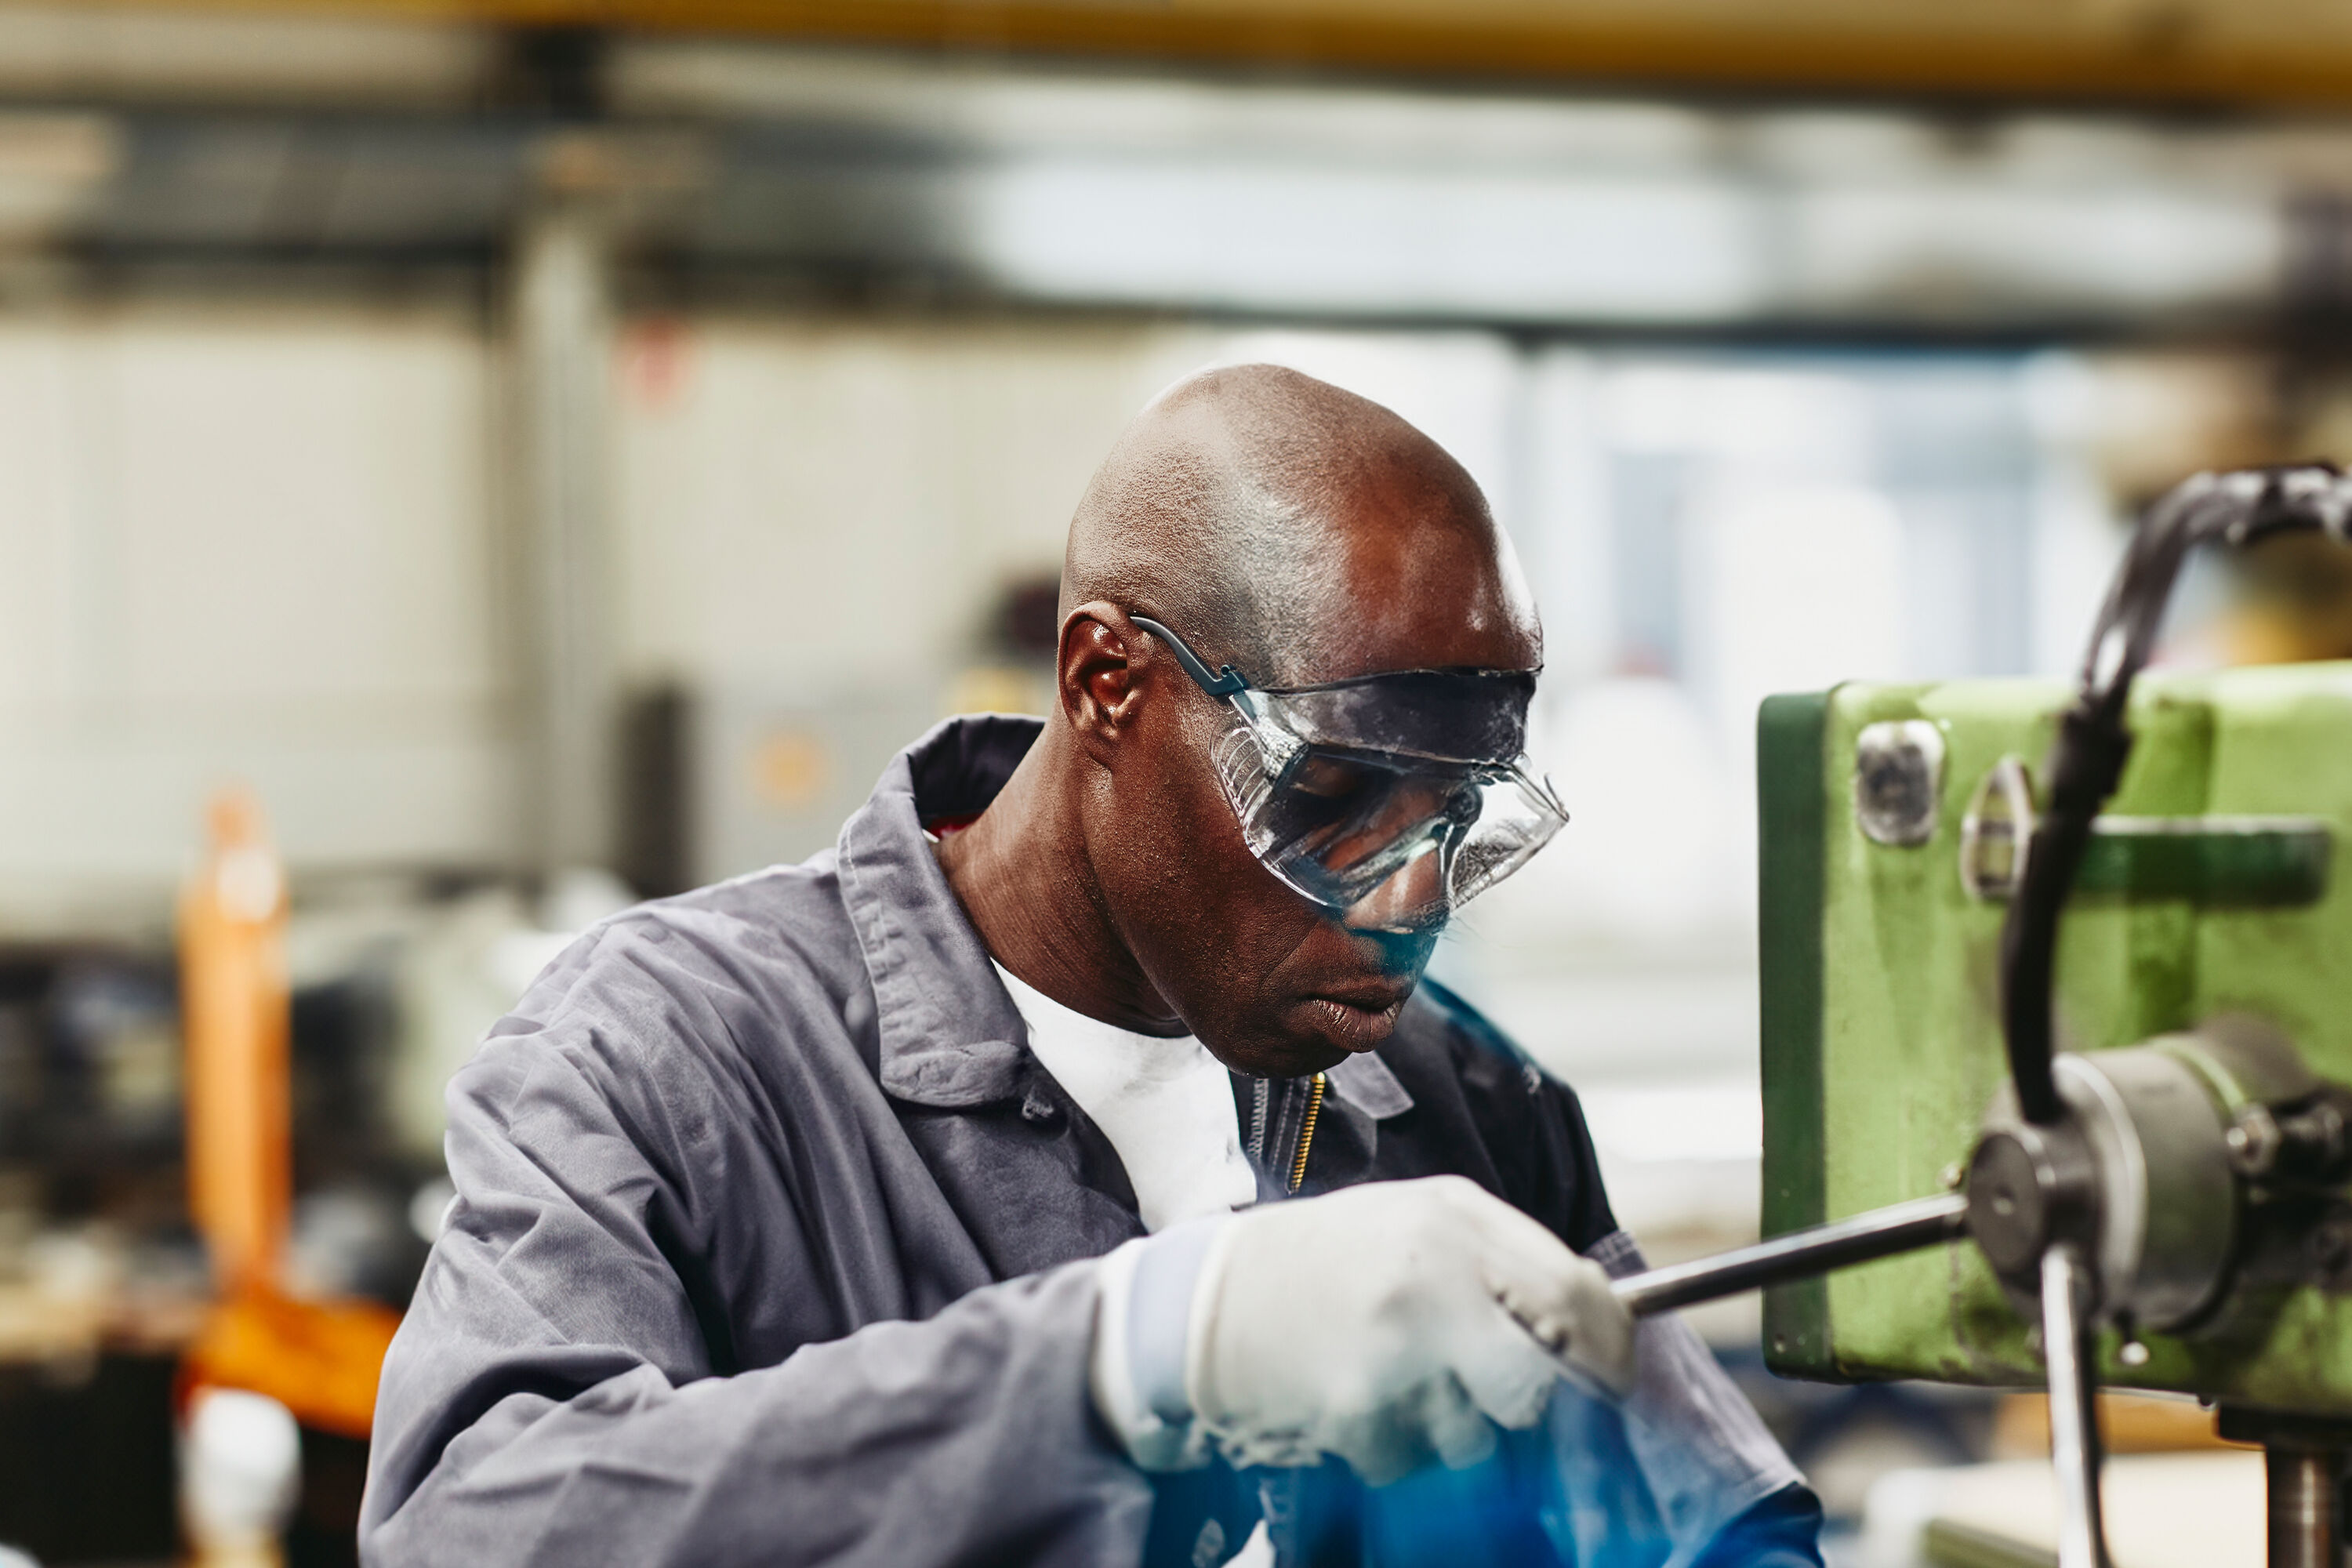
{"points": [[1390, 1324]]}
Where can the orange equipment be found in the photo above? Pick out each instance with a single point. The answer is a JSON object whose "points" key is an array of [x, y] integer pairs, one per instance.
{"points": [[320, 1359], [236, 1015]]}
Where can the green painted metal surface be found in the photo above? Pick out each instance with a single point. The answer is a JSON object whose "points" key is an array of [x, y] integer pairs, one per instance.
{"points": [[1882, 1043], [2253, 862]]}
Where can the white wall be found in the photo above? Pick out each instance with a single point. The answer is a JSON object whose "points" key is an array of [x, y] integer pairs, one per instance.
{"points": [[825, 503], [242, 547]]}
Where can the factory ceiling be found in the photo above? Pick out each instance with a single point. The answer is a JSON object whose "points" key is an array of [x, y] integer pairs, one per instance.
{"points": [[2184, 52], [158, 138]]}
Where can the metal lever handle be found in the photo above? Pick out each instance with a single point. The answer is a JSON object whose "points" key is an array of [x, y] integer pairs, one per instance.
{"points": [[2066, 1351], [1801, 1254], [2066, 1342]]}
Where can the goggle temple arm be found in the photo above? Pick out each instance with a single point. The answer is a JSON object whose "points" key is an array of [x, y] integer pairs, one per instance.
{"points": [[1227, 683]]}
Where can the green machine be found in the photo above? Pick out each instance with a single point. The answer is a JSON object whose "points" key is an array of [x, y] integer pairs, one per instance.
{"points": [[2058, 1034], [2205, 933]]}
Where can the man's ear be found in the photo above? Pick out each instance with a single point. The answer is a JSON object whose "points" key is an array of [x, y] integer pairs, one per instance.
{"points": [[1095, 677]]}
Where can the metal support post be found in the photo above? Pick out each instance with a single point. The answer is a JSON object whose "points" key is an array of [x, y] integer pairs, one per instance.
{"points": [[2301, 1488], [2303, 1471], [561, 324]]}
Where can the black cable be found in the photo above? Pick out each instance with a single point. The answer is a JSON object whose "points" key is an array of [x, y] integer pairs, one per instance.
{"points": [[2087, 761]]}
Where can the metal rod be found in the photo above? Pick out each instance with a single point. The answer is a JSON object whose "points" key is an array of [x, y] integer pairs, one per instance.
{"points": [[2073, 1418], [1800, 1254], [2301, 1485]]}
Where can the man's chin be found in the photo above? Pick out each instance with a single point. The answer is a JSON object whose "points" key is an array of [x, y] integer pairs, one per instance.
{"points": [[1322, 1033], [1286, 1060]]}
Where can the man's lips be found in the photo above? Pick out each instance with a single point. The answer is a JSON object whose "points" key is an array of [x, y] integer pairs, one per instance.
{"points": [[1357, 1020]]}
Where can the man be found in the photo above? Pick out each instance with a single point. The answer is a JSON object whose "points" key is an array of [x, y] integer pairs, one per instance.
{"points": [[883, 1209]]}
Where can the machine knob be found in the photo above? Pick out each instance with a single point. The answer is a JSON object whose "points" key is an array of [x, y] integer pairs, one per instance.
{"points": [[2028, 1186]]}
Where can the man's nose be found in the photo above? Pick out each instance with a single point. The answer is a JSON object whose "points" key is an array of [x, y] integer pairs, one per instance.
{"points": [[1412, 899]]}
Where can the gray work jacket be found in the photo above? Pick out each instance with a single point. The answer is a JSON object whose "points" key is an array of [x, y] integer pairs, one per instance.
{"points": [[773, 1244]]}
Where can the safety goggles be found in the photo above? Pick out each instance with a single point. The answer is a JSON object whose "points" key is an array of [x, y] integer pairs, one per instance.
{"points": [[1405, 795]]}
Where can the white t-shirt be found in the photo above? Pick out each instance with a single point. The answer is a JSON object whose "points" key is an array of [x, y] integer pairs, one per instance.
{"points": [[1165, 1105]]}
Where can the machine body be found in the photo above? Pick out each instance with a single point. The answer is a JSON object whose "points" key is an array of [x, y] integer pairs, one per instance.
{"points": [[2193, 1171]]}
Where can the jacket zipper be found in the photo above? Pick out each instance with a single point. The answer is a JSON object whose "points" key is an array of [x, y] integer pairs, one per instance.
{"points": [[1307, 1131]]}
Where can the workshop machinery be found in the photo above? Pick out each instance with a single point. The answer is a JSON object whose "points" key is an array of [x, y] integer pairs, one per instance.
{"points": [[2057, 1034]]}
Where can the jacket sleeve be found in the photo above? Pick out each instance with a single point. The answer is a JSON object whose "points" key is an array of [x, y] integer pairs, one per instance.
{"points": [[1685, 1460], [1784, 1530], [551, 1398]]}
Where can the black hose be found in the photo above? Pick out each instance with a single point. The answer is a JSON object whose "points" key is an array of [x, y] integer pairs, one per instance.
{"points": [[2087, 761]]}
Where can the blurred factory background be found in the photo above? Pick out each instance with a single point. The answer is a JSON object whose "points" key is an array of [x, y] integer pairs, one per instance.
{"points": [[552, 452]]}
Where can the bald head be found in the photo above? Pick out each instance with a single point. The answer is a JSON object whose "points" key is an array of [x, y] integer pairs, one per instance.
{"points": [[1300, 533]]}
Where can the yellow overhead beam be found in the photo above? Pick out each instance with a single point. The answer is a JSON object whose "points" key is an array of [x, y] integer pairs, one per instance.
{"points": [[2274, 53]]}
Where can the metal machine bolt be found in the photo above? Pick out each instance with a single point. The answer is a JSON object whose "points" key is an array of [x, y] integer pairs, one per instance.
{"points": [[1898, 781], [2253, 1141]]}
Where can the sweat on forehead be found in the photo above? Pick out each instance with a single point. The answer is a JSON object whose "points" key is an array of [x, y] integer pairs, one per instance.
{"points": [[1298, 531]]}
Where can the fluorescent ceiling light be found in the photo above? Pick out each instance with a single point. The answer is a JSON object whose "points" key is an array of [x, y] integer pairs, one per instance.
{"points": [[1267, 235]]}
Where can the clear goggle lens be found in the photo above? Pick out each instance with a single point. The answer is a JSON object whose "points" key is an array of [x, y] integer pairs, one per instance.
{"points": [[1341, 825]]}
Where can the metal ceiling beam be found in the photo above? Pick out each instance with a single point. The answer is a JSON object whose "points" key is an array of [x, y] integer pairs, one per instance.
{"points": [[2209, 53]]}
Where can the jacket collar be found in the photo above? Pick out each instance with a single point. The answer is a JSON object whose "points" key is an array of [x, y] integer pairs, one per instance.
{"points": [[950, 1037], [1364, 1081]]}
